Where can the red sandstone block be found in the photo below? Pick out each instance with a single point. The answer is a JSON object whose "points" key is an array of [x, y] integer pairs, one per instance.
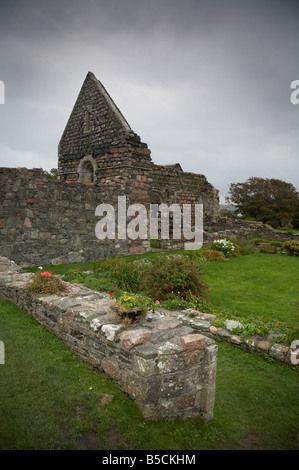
{"points": [[191, 357], [136, 249], [192, 342], [186, 402], [132, 338]]}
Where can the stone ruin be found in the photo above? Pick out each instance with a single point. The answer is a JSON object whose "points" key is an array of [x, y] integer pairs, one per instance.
{"points": [[161, 362], [51, 220], [47, 220]]}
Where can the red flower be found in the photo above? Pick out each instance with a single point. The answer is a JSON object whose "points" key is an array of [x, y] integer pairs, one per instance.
{"points": [[111, 293]]}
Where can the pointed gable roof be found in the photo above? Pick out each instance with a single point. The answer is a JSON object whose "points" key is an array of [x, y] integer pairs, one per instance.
{"points": [[95, 122], [109, 100]]}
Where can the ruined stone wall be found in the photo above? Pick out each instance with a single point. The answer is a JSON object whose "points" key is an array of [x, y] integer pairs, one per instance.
{"points": [[164, 365], [43, 221], [227, 227]]}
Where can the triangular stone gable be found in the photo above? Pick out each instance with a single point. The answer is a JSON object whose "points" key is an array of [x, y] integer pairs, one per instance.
{"points": [[94, 124]]}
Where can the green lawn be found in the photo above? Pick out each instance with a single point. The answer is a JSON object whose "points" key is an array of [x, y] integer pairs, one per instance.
{"points": [[255, 286], [46, 401], [261, 285]]}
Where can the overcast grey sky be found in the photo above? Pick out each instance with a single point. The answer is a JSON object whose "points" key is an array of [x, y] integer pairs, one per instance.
{"points": [[205, 83]]}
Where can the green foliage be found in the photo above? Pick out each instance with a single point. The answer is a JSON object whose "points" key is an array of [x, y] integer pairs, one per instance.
{"points": [[74, 276], [214, 255], [101, 284], [128, 301], [256, 241], [175, 304], [292, 248], [125, 275], [45, 283], [270, 201], [258, 284], [251, 329], [219, 322], [270, 249], [244, 246], [175, 275], [48, 392], [224, 245], [153, 243], [197, 255]]}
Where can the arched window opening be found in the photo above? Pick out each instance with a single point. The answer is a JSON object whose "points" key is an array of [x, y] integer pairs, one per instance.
{"points": [[87, 170]]}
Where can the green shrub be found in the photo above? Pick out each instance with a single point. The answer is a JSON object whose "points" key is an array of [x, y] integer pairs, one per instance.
{"points": [[128, 301], [251, 329], [125, 275], [153, 243], [74, 275], [101, 284], [257, 241], [214, 255], [176, 304], [197, 255], [224, 245], [219, 322], [292, 247], [45, 283], [244, 246], [173, 275], [270, 249]]}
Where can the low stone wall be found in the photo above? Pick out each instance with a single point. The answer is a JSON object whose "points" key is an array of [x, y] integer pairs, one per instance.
{"points": [[162, 363], [228, 227], [267, 347]]}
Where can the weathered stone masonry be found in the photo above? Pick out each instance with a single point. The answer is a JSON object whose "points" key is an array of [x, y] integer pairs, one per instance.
{"points": [[44, 221], [49, 221], [168, 368]]}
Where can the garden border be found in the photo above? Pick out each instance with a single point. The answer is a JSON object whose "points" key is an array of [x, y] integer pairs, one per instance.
{"points": [[264, 346]]}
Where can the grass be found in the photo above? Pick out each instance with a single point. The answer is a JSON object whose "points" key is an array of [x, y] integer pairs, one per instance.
{"points": [[255, 286], [46, 401], [258, 285]]}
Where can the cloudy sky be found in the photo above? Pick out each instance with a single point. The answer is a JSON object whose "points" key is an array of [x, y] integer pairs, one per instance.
{"points": [[203, 82]]}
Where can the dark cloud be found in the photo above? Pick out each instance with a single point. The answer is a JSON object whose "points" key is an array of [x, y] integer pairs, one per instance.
{"points": [[204, 83]]}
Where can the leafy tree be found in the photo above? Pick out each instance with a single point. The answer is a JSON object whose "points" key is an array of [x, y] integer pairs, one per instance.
{"points": [[270, 201]]}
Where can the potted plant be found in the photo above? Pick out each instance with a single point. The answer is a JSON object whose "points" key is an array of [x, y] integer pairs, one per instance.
{"points": [[130, 306]]}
